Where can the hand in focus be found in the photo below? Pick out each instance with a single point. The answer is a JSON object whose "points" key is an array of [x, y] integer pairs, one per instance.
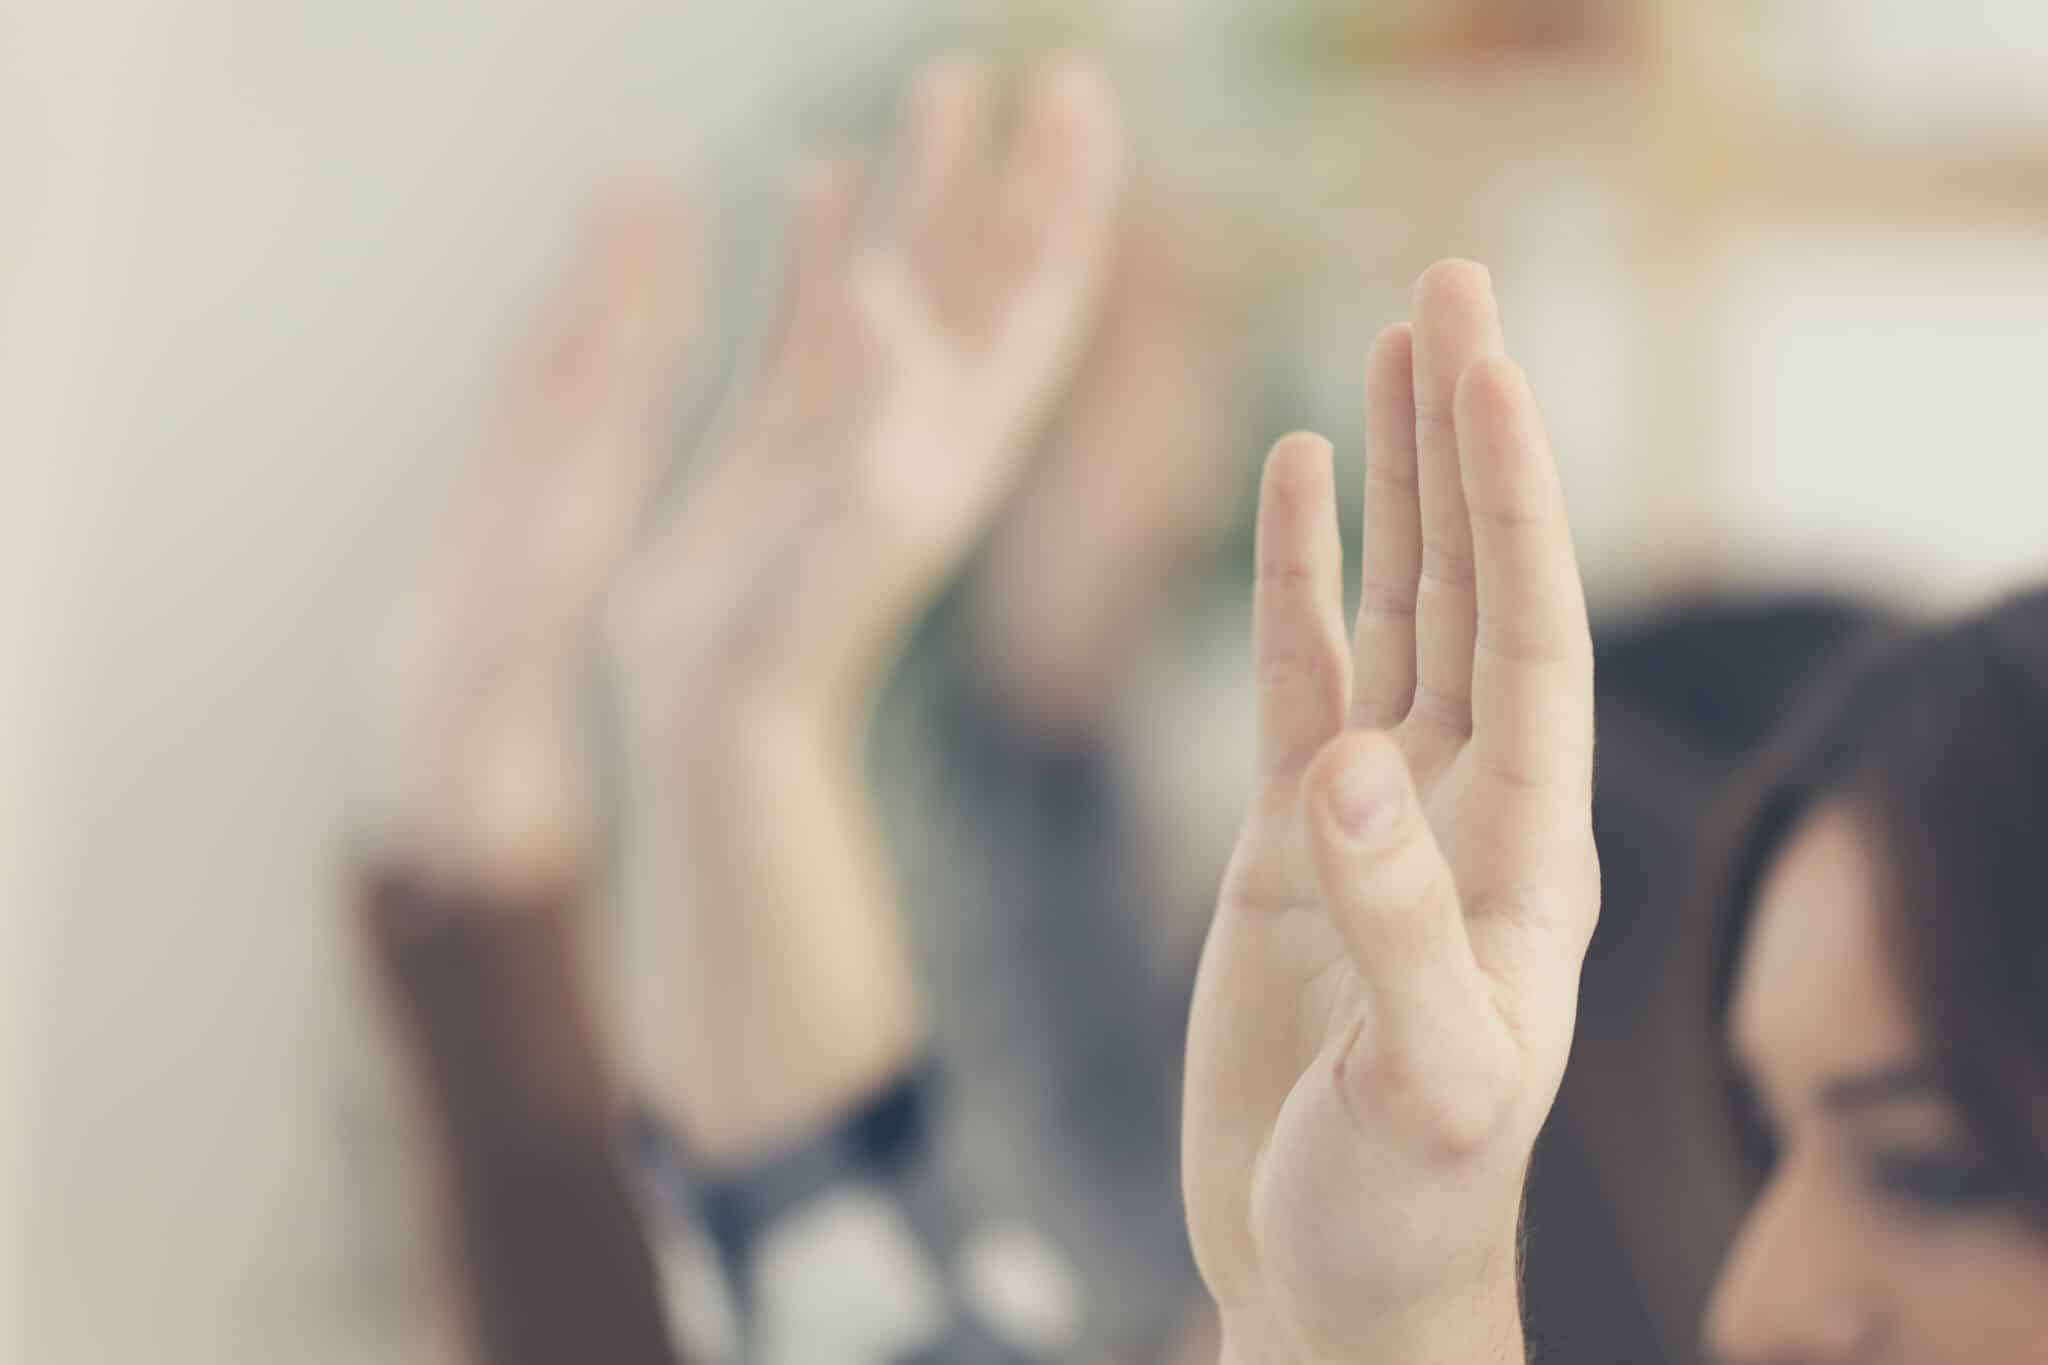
{"points": [[476, 753], [1386, 999], [893, 405]]}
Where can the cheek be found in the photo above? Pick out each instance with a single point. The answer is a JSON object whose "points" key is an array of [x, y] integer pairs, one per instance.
{"points": [[1971, 1293]]}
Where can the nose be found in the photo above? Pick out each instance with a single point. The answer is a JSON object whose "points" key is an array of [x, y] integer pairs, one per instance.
{"points": [[1792, 1290]]}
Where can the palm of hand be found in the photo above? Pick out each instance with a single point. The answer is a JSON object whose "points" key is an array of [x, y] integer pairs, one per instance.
{"points": [[1383, 1016], [476, 674], [895, 399]]}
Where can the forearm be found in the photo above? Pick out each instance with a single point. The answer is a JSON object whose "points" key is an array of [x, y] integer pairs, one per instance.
{"points": [[486, 994], [794, 991]]}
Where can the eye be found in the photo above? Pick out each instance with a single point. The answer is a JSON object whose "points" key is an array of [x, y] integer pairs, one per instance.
{"points": [[1933, 1182]]}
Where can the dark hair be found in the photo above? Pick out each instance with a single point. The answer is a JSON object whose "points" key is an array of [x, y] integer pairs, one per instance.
{"points": [[1937, 742], [1721, 671], [1686, 696]]}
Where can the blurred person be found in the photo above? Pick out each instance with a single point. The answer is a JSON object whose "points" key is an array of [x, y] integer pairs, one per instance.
{"points": [[476, 863], [1882, 982], [892, 408], [1042, 966], [825, 517], [1634, 1191], [1133, 480], [1053, 940]]}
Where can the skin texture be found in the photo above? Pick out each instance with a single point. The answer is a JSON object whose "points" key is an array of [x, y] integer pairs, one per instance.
{"points": [[893, 407], [1386, 997], [1832, 1264]]}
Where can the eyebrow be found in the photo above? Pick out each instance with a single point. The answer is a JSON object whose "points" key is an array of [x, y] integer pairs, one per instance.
{"points": [[1887, 1085]]}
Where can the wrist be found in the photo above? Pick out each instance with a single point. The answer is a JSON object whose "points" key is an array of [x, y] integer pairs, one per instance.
{"points": [[733, 746], [736, 1115], [715, 713], [491, 794], [1480, 1326], [797, 992]]}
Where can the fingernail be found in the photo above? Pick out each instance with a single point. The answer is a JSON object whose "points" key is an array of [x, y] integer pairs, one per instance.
{"points": [[1366, 798]]}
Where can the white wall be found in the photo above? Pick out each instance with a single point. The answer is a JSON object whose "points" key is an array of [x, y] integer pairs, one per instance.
{"points": [[1886, 428], [262, 258]]}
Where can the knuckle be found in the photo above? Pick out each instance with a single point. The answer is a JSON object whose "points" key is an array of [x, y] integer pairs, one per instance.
{"points": [[1289, 571], [1447, 567], [1384, 601], [1298, 671], [1436, 424], [1523, 639], [1444, 708], [1390, 477]]}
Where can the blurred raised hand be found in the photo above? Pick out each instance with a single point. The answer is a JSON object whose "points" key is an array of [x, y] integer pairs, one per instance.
{"points": [[1387, 995], [481, 848], [896, 399], [476, 758], [1137, 477]]}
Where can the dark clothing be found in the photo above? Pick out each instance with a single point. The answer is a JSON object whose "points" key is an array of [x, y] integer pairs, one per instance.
{"points": [[851, 1247], [555, 1264], [1039, 936]]}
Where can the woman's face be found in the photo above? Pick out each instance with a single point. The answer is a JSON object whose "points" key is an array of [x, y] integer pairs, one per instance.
{"points": [[1878, 1236]]}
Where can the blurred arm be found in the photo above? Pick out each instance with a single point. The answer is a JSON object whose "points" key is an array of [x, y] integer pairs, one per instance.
{"points": [[486, 992], [481, 826], [892, 410]]}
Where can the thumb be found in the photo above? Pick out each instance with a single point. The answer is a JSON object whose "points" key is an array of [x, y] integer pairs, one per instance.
{"points": [[1431, 1048]]}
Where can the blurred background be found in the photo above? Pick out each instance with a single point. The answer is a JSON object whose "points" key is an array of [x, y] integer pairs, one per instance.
{"points": [[1779, 271]]}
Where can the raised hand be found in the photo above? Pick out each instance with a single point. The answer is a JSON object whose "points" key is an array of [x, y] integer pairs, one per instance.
{"points": [[481, 847], [1387, 995], [1135, 478], [895, 401], [475, 749]]}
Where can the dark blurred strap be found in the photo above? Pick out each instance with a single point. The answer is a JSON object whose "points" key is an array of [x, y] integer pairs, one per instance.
{"points": [[881, 1142], [555, 1263]]}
